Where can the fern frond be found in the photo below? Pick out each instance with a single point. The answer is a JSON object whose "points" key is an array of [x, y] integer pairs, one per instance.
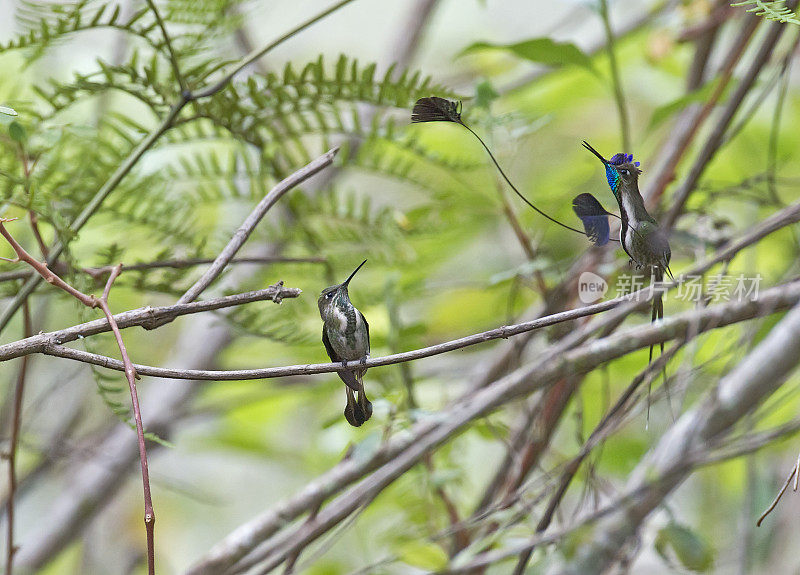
{"points": [[347, 223], [217, 174], [46, 21], [143, 83], [315, 100], [775, 10]]}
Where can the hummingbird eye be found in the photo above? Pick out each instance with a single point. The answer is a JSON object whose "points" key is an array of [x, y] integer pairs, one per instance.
{"points": [[624, 172], [329, 295]]}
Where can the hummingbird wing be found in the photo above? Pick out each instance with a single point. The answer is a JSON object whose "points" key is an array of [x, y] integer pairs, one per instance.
{"points": [[366, 325], [594, 217], [654, 242], [347, 376]]}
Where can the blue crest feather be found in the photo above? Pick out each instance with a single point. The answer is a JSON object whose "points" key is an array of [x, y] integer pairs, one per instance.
{"points": [[611, 174]]}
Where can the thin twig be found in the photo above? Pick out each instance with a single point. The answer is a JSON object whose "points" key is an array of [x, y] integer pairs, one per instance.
{"points": [[522, 237], [19, 390], [255, 55], [41, 267], [143, 316], [34, 220], [249, 224], [616, 79], [780, 494], [130, 375], [178, 264], [173, 59], [712, 144]]}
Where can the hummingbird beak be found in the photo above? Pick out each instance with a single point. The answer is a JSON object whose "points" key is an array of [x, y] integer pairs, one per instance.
{"points": [[347, 281], [595, 152]]}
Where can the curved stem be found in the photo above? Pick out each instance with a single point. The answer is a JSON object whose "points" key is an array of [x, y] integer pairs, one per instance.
{"points": [[616, 80]]}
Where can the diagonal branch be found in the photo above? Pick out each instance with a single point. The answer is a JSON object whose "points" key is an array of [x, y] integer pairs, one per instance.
{"points": [[674, 457], [173, 59], [51, 343], [256, 54], [143, 316], [616, 79], [404, 451], [41, 267], [252, 220], [715, 137]]}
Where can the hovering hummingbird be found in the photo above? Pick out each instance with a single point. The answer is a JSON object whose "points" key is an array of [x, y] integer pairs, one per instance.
{"points": [[436, 109], [345, 333], [642, 239]]}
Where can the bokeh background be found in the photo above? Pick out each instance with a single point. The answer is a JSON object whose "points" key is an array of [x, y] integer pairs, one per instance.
{"points": [[424, 205]]}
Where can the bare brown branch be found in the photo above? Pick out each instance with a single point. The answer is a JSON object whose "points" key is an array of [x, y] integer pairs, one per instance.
{"points": [[16, 422], [247, 227], [130, 373], [144, 316], [402, 452]]}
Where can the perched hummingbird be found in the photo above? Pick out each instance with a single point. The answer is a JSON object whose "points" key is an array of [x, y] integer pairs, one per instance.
{"points": [[642, 239], [345, 333], [645, 243]]}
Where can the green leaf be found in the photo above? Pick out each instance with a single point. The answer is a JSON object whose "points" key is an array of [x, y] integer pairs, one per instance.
{"points": [[692, 551], [8, 111], [702, 94], [485, 94], [541, 51], [423, 555], [17, 132]]}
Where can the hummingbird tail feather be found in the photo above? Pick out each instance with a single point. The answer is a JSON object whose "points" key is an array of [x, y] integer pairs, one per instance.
{"points": [[658, 313], [349, 379], [436, 109], [353, 412], [514, 188], [364, 404]]}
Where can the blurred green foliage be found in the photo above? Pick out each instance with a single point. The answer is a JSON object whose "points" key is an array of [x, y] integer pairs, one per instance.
{"points": [[424, 206]]}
